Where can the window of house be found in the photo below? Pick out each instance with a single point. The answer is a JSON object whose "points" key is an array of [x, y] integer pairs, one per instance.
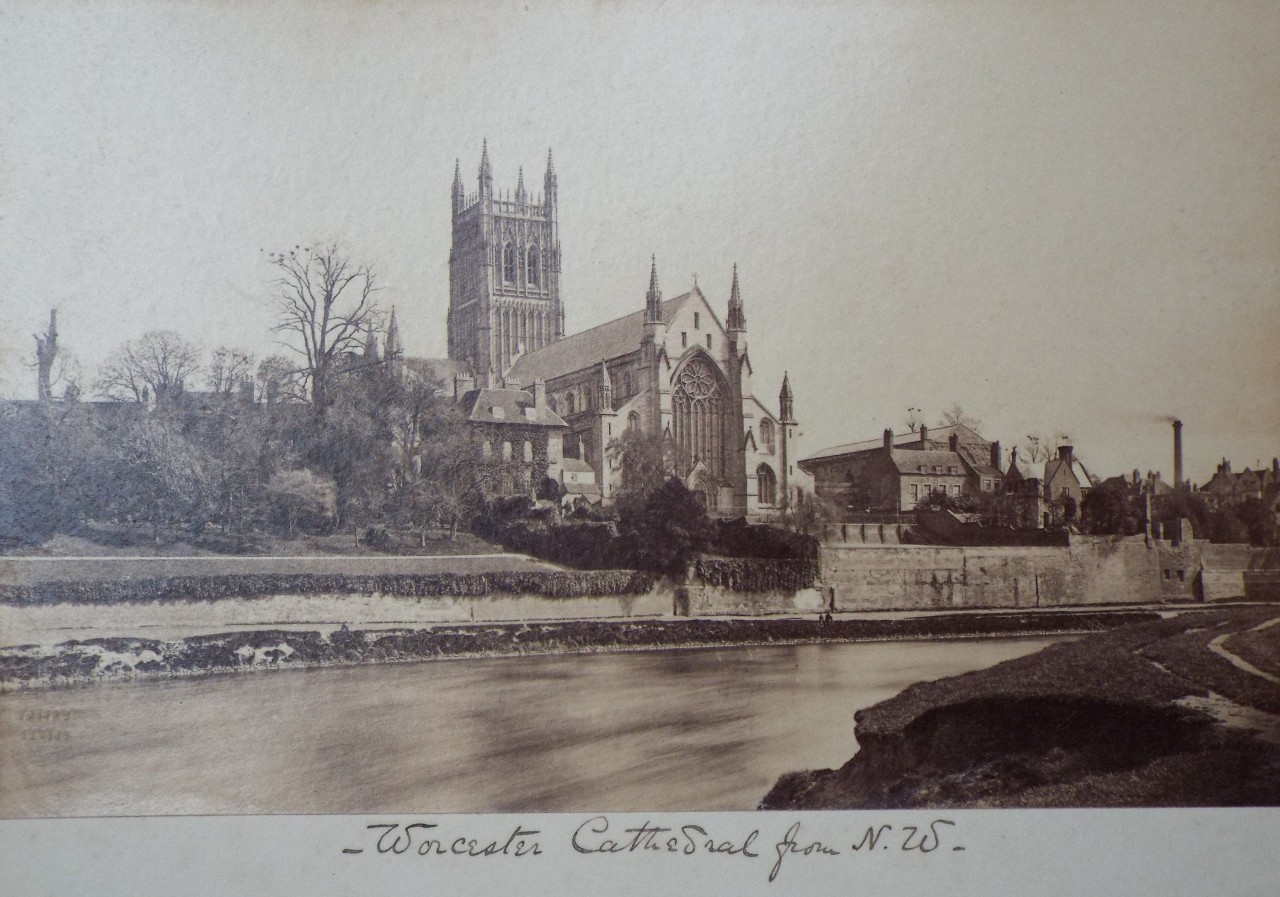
{"points": [[506, 450], [915, 491], [528, 451], [955, 490], [684, 340], [923, 469], [696, 325]]}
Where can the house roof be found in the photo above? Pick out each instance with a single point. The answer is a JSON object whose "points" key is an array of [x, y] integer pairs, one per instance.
{"points": [[612, 339], [575, 465], [911, 460], [507, 406], [900, 440]]}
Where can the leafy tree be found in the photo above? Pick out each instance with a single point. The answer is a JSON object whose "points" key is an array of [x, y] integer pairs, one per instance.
{"points": [[808, 513], [302, 496], [1260, 521], [159, 474], [1111, 509], [668, 528], [157, 364], [1226, 526], [645, 461]]}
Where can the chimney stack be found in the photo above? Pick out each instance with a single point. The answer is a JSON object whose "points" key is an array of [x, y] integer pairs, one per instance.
{"points": [[995, 454], [954, 442], [924, 438], [539, 395], [1177, 454], [888, 439], [1065, 452]]}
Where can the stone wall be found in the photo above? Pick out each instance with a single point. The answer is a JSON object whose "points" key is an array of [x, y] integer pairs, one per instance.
{"points": [[1089, 571]]}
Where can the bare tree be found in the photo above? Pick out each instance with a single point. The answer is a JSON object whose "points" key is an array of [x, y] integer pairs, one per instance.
{"points": [[957, 415], [1044, 448], [228, 369], [325, 307], [157, 364], [46, 353], [279, 381], [913, 419]]}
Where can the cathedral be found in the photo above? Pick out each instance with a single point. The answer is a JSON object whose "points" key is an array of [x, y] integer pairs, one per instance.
{"points": [[673, 367]]}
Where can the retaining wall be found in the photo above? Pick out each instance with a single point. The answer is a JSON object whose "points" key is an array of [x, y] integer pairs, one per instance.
{"points": [[1089, 571]]}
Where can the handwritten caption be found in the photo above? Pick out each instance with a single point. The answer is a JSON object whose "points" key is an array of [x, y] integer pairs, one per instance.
{"points": [[602, 836]]}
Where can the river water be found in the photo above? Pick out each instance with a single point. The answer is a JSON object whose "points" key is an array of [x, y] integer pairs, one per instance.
{"points": [[700, 729]]}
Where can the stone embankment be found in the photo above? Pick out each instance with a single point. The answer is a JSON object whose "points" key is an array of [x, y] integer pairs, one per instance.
{"points": [[1144, 715]]}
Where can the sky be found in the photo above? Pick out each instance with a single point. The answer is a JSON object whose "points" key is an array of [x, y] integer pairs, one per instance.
{"points": [[1064, 217]]}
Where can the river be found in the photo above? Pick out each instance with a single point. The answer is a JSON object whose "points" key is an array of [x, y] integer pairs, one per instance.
{"points": [[708, 729]]}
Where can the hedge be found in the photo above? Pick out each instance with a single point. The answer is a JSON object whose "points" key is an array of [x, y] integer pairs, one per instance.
{"points": [[757, 575], [547, 583]]}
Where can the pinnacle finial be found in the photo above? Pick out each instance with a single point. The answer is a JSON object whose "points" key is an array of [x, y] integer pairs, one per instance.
{"points": [[785, 393], [653, 298], [520, 185], [737, 314], [551, 166], [486, 171]]}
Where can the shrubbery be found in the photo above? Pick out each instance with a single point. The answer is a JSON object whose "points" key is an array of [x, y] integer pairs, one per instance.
{"points": [[547, 583], [758, 575]]}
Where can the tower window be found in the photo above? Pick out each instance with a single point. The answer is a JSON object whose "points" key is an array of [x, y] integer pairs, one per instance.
{"points": [[508, 263], [532, 266]]}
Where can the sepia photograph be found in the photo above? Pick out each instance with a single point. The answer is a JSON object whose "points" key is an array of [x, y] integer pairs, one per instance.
{"points": [[587, 408]]}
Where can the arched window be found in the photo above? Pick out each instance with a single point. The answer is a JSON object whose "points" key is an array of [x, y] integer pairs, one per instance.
{"points": [[533, 269], [508, 263], [766, 485], [766, 436], [697, 404], [633, 421]]}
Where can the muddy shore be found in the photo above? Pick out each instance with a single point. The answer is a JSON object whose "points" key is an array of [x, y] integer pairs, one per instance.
{"points": [[74, 662], [1143, 715]]}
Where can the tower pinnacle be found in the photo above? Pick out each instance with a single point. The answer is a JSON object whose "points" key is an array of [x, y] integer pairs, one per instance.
{"points": [[653, 298], [486, 171], [737, 314], [520, 194]]}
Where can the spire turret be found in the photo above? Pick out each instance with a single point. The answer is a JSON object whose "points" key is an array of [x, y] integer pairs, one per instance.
{"points": [[549, 186], [737, 319], [520, 194], [653, 298], [606, 387], [393, 336], [459, 194], [785, 400], [486, 171]]}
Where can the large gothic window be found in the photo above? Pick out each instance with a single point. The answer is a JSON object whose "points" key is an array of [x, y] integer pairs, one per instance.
{"points": [[534, 264], [766, 436], [508, 263], [766, 485], [698, 412]]}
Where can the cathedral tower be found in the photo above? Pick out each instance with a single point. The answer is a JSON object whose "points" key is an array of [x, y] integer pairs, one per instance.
{"points": [[504, 272]]}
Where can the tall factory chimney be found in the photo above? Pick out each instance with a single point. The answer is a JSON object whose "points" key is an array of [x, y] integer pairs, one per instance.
{"points": [[1177, 454]]}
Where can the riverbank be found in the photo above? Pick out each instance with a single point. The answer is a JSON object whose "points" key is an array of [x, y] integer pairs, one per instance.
{"points": [[1183, 711], [81, 661]]}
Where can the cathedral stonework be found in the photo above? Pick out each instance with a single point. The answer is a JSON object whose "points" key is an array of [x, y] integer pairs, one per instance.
{"points": [[672, 367]]}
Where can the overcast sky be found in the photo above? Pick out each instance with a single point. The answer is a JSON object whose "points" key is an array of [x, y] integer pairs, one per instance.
{"points": [[1065, 217]]}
